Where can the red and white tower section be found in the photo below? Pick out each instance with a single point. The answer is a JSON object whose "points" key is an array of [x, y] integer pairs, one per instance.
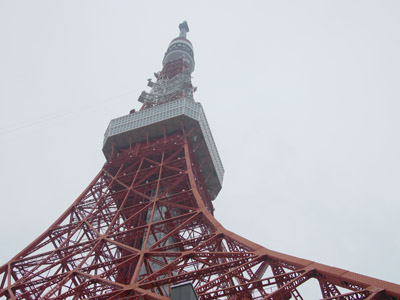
{"points": [[145, 226]]}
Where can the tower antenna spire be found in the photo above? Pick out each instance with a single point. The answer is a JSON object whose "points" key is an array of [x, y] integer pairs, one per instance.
{"points": [[184, 29]]}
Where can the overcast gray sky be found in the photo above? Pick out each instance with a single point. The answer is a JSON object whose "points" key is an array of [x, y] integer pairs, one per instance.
{"points": [[302, 98]]}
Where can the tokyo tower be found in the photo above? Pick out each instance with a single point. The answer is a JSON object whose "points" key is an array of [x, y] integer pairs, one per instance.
{"points": [[145, 228]]}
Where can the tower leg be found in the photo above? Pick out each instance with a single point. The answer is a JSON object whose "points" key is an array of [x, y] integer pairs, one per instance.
{"points": [[146, 223]]}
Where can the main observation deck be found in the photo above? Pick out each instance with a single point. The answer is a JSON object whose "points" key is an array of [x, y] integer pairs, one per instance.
{"points": [[150, 123]]}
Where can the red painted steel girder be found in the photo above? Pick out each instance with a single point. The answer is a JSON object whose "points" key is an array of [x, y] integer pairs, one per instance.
{"points": [[145, 223]]}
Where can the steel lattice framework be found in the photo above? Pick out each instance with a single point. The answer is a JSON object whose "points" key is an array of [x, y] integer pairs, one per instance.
{"points": [[146, 223]]}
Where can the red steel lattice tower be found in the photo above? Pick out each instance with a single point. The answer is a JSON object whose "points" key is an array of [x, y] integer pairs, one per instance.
{"points": [[145, 223]]}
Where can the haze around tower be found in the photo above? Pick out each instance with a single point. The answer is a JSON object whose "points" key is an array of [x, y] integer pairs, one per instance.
{"points": [[302, 99]]}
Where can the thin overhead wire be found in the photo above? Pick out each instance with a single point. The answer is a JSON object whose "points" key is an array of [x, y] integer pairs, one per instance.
{"points": [[60, 114]]}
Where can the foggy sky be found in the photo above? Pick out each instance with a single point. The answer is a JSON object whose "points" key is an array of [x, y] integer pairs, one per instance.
{"points": [[302, 98]]}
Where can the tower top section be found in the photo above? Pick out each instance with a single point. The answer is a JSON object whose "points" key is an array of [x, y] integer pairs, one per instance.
{"points": [[181, 48], [169, 108]]}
